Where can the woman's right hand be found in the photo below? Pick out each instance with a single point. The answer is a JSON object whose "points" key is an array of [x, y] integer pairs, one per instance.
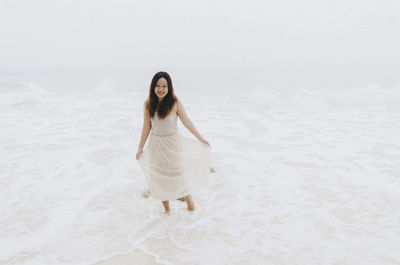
{"points": [[139, 153]]}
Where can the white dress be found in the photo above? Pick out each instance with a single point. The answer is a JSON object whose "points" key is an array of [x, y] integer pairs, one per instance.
{"points": [[174, 165]]}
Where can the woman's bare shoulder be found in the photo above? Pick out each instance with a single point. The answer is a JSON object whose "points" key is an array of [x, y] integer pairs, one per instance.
{"points": [[176, 105]]}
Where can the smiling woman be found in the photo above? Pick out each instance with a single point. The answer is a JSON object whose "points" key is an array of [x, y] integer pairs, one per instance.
{"points": [[174, 165]]}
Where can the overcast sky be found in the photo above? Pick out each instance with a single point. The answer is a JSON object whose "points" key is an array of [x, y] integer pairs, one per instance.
{"points": [[199, 33]]}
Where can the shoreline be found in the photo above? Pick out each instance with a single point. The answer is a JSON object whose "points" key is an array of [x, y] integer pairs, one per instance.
{"points": [[136, 257]]}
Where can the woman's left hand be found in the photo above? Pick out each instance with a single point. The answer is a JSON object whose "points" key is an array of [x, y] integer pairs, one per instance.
{"points": [[205, 141]]}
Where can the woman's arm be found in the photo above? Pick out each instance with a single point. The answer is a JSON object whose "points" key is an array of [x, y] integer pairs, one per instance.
{"points": [[145, 130], [188, 123]]}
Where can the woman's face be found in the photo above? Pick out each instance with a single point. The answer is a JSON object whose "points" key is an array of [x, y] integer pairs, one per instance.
{"points": [[161, 89]]}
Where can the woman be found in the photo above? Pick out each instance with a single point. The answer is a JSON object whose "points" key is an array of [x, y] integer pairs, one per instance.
{"points": [[173, 165]]}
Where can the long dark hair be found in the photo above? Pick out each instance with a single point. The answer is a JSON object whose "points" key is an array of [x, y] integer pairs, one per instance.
{"points": [[165, 106]]}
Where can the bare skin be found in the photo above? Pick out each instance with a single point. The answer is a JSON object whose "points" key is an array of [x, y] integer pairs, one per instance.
{"points": [[161, 90], [189, 202], [166, 206]]}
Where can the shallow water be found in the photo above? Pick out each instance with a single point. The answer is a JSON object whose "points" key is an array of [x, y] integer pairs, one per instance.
{"points": [[310, 186]]}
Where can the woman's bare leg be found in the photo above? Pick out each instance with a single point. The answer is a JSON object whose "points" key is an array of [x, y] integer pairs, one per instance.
{"points": [[190, 203], [166, 206]]}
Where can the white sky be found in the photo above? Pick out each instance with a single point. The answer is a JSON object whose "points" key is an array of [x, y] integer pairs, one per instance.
{"points": [[199, 33]]}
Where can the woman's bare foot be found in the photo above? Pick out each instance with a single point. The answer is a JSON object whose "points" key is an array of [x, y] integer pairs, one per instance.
{"points": [[166, 206], [182, 199], [190, 203]]}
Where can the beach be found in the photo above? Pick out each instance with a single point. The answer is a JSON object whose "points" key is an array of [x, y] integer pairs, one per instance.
{"points": [[308, 176], [136, 257]]}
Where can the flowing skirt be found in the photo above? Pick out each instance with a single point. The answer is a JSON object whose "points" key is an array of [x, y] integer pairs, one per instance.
{"points": [[174, 166]]}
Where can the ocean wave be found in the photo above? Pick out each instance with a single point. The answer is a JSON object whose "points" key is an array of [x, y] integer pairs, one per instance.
{"points": [[372, 96]]}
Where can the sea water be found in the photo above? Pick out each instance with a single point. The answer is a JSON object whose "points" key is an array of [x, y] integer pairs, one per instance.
{"points": [[306, 167]]}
